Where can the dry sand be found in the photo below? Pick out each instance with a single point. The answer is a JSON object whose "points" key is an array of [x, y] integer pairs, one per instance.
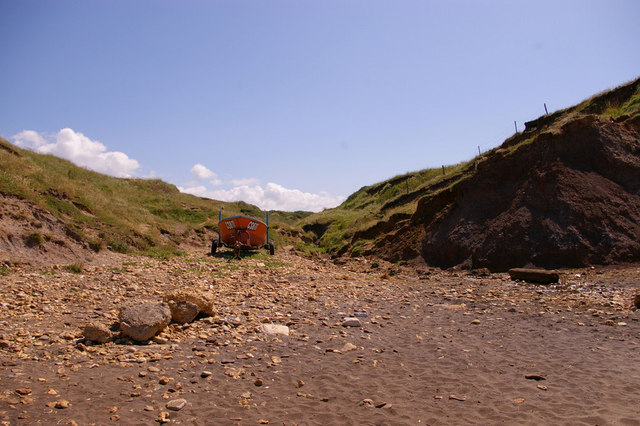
{"points": [[433, 347]]}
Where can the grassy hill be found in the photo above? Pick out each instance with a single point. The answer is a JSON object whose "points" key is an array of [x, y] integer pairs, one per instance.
{"points": [[153, 217], [369, 218], [122, 215]]}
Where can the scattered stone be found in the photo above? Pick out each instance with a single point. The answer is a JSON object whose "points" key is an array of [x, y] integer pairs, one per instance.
{"points": [[183, 312], [23, 391], [163, 417], [176, 404], [204, 300], [351, 322], [539, 276], [542, 387], [457, 398], [636, 301], [206, 374], [259, 382], [143, 321], [535, 377], [518, 400], [367, 403], [475, 321], [274, 329], [97, 332], [349, 347], [480, 272], [160, 340], [61, 404]]}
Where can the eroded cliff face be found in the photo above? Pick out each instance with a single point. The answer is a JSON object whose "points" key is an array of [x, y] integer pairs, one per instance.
{"points": [[569, 197]]}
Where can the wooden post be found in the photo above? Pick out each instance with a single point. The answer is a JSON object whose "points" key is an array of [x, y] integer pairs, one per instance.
{"points": [[545, 109], [516, 126]]}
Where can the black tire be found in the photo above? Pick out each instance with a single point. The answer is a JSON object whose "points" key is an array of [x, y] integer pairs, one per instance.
{"points": [[272, 248], [214, 246]]}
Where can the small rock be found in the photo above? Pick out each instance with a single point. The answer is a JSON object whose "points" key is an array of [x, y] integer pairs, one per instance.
{"points": [[349, 347], [206, 374], [183, 311], [636, 301], [274, 329], [97, 332], [535, 377], [540, 276], [143, 321], [204, 300], [164, 417], [160, 340], [351, 322], [62, 404], [176, 404], [368, 403], [475, 321]]}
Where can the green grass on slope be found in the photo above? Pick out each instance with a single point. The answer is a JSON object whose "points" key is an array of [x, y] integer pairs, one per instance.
{"points": [[143, 215]]}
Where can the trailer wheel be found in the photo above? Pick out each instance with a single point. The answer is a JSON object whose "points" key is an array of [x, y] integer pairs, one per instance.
{"points": [[214, 246], [272, 248]]}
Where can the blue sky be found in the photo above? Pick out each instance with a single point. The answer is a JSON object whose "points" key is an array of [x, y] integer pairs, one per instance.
{"points": [[296, 104]]}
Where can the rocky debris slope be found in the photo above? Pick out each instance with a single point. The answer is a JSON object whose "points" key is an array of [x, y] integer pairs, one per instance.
{"points": [[563, 193], [570, 198]]}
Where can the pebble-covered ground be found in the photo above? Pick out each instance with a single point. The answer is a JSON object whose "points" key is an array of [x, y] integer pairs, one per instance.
{"points": [[368, 343]]}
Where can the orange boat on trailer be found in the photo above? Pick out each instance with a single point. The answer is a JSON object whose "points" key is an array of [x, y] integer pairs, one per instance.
{"points": [[252, 233]]}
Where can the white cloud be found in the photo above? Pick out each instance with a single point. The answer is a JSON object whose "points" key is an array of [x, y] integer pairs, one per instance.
{"points": [[201, 172], [245, 182], [79, 149], [270, 197]]}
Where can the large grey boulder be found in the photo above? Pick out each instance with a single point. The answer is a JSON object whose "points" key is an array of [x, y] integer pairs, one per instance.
{"points": [[144, 320]]}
